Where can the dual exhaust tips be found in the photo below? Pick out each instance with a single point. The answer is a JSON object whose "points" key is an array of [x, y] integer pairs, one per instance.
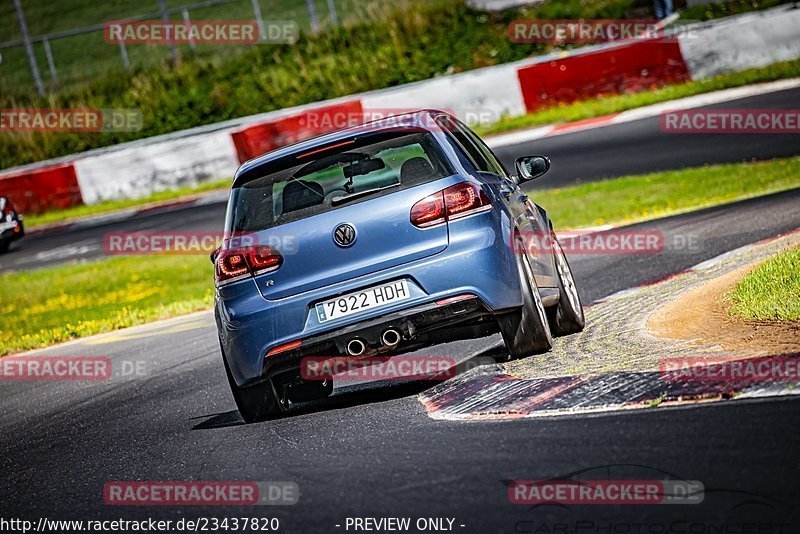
{"points": [[389, 339]]}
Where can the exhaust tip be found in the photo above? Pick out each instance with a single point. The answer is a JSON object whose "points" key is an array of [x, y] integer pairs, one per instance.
{"points": [[356, 347], [391, 338]]}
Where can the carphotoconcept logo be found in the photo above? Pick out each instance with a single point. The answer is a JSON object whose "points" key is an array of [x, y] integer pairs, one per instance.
{"points": [[70, 120]]}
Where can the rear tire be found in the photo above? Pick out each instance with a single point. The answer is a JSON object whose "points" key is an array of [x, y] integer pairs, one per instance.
{"points": [[567, 316], [526, 331], [255, 403]]}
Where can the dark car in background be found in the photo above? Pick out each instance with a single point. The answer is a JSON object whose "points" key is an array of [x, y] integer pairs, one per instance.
{"points": [[11, 227]]}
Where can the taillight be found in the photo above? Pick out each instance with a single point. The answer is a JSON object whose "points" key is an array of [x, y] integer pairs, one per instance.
{"points": [[264, 259], [429, 211], [455, 202], [232, 265]]}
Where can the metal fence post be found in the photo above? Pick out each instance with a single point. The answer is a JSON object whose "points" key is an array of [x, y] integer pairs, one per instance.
{"points": [[50, 63], [173, 50], [188, 21], [23, 28], [124, 53], [312, 13], [259, 21], [332, 11]]}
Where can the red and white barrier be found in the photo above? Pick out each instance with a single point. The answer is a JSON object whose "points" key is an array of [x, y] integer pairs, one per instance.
{"points": [[480, 96], [41, 188], [265, 136]]}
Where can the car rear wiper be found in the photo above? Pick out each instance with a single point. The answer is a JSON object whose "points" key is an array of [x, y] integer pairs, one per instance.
{"points": [[361, 194]]}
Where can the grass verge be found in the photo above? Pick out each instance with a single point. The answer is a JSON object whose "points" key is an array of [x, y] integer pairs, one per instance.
{"points": [[59, 216], [597, 107], [771, 292], [57, 304], [638, 198]]}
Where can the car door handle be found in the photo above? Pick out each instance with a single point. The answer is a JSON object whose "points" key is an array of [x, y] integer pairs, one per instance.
{"points": [[522, 197], [506, 192]]}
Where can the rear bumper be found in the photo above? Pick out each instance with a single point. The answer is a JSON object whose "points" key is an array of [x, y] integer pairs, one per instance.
{"points": [[478, 261], [420, 326], [11, 231]]}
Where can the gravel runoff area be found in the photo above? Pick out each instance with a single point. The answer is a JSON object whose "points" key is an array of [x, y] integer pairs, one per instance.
{"points": [[616, 337]]}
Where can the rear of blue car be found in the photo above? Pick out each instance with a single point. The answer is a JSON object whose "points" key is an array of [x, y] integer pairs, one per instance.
{"points": [[371, 241]]}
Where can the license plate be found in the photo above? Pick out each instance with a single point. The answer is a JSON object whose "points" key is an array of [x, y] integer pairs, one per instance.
{"points": [[368, 299]]}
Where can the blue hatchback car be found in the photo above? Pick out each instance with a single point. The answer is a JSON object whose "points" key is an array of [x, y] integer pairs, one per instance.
{"points": [[378, 240]]}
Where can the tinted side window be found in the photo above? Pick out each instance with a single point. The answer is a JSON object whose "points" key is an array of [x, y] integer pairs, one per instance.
{"points": [[496, 166], [462, 139]]}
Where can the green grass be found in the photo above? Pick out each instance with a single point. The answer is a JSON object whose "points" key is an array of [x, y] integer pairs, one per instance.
{"points": [[597, 107], [115, 293], [82, 58], [771, 292], [59, 216], [57, 304], [638, 198], [715, 10]]}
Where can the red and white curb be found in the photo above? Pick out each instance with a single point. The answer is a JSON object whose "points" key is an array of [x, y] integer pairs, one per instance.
{"points": [[492, 393]]}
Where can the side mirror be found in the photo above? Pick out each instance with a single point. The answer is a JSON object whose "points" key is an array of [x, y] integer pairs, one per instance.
{"points": [[531, 167], [215, 254]]}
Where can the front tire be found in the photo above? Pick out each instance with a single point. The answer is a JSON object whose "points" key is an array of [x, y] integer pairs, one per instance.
{"points": [[567, 316], [526, 331], [255, 403]]}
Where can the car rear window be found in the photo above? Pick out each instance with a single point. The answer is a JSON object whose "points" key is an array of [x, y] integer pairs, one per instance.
{"points": [[298, 187]]}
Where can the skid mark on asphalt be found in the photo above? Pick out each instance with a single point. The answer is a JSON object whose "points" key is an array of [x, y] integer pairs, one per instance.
{"points": [[154, 329], [194, 321]]}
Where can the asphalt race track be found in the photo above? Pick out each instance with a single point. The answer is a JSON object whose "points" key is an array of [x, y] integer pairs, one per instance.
{"points": [[579, 156], [376, 453], [640, 146]]}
